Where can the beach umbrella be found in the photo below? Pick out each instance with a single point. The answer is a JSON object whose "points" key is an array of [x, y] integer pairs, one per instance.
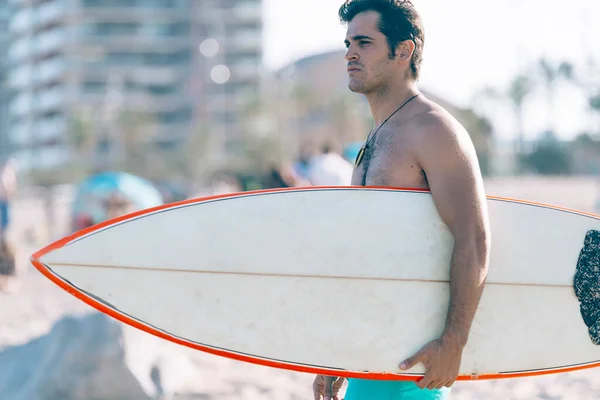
{"points": [[93, 194]]}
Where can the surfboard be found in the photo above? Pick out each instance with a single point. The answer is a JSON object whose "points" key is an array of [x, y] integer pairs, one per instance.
{"points": [[342, 281]]}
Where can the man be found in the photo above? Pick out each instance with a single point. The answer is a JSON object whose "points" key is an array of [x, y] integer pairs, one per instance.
{"points": [[417, 144]]}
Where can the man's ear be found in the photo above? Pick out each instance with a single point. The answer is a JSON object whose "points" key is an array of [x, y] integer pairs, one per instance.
{"points": [[405, 50]]}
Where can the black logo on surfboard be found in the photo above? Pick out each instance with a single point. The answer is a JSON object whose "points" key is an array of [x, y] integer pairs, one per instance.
{"points": [[587, 284]]}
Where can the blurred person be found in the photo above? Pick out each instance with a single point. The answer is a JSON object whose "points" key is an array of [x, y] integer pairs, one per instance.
{"points": [[302, 165], [284, 176], [118, 205], [416, 144], [329, 169], [7, 257], [226, 184], [82, 221], [8, 186]]}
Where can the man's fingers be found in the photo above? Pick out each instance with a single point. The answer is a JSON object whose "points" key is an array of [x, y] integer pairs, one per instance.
{"points": [[433, 385], [424, 382], [414, 360], [449, 384]]}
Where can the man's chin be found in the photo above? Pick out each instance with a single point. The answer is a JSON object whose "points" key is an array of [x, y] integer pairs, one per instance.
{"points": [[355, 88]]}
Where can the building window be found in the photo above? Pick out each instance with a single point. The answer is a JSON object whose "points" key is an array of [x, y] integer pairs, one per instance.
{"points": [[111, 28], [94, 87], [110, 3], [161, 90], [174, 117], [131, 3]]}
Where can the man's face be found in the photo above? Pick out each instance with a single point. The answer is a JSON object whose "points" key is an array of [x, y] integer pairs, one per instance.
{"points": [[369, 65]]}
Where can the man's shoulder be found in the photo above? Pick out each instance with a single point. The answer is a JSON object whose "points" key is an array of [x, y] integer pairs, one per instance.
{"points": [[434, 118], [439, 134], [436, 124], [427, 121]]}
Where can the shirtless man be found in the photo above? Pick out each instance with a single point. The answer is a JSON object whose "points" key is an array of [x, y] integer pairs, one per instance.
{"points": [[416, 144]]}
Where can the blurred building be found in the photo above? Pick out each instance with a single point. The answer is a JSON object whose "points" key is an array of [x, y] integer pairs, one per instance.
{"points": [[95, 61], [320, 108], [325, 109], [5, 9]]}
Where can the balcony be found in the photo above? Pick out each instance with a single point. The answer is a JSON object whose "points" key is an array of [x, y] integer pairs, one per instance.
{"points": [[21, 21], [50, 41], [50, 128], [48, 156], [139, 101], [50, 99], [138, 43], [33, 18], [245, 12], [19, 50], [49, 70], [20, 134], [50, 12], [108, 12], [21, 105], [246, 69], [245, 41], [20, 77], [47, 42]]}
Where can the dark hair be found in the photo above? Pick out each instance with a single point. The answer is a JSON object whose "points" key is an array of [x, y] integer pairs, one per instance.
{"points": [[399, 21]]}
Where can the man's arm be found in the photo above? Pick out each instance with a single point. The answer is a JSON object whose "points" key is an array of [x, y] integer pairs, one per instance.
{"points": [[447, 156]]}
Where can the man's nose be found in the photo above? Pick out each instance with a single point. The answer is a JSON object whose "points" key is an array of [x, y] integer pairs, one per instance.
{"points": [[351, 54]]}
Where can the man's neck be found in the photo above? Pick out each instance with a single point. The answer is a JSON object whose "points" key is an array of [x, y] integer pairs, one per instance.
{"points": [[384, 103]]}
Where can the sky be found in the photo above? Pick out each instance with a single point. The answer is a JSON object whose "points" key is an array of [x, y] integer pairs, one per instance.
{"points": [[469, 44]]}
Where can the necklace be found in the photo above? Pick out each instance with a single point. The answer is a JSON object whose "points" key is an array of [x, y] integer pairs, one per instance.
{"points": [[361, 153]]}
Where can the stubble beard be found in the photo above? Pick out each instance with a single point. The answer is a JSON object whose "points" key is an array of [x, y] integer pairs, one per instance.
{"points": [[368, 84], [358, 86]]}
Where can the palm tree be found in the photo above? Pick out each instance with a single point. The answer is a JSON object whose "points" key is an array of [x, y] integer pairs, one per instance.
{"points": [[485, 101], [594, 106], [82, 139], [520, 88], [551, 74]]}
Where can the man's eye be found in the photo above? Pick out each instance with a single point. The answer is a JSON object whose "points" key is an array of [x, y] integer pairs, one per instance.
{"points": [[363, 43]]}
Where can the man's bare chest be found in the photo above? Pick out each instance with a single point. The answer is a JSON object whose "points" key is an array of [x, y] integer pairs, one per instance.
{"points": [[389, 165]]}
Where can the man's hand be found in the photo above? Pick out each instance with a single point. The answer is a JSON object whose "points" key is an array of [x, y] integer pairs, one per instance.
{"points": [[320, 388], [441, 359]]}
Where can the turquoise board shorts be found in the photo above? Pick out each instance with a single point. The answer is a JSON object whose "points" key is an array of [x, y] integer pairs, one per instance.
{"points": [[360, 389]]}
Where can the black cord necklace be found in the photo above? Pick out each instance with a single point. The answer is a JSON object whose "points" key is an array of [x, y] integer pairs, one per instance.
{"points": [[361, 153]]}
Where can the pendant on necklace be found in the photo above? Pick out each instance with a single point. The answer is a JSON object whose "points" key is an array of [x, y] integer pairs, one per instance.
{"points": [[360, 156]]}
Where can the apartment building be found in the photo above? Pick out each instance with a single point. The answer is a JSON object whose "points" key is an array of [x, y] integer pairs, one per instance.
{"points": [[5, 146], [179, 63]]}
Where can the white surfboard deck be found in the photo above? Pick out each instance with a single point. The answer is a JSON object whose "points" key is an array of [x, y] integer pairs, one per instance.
{"points": [[340, 281]]}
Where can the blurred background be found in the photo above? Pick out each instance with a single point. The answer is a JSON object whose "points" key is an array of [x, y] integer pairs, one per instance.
{"points": [[108, 106]]}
